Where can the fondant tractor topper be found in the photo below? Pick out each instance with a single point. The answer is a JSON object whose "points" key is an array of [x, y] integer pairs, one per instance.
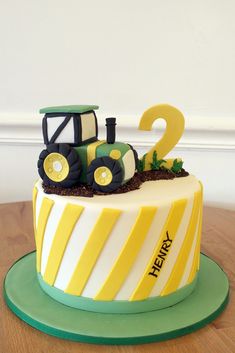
{"points": [[75, 155]]}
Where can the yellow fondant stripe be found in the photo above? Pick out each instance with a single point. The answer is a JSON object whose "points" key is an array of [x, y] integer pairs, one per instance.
{"points": [[95, 243], [128, 254], [200, 225], [169, 230], [41, 226], [35, 193], [91, 151], [179, 267], [63, 232], [196, 256]]}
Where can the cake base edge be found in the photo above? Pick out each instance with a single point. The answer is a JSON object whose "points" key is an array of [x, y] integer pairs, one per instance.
{"points": [[118, 306], [29, 302]]}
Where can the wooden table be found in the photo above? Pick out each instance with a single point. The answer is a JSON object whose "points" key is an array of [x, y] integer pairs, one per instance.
{"points": [[218, 241]]}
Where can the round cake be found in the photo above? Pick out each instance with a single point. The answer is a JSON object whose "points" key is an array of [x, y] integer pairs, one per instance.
{"points": [[117, 237], [129, 252]]}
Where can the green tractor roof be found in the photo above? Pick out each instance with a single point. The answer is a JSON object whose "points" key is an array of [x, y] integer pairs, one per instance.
{"points": [[69, 109]]}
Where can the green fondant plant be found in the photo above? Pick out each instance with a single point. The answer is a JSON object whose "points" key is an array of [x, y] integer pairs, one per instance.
{"points": [[177, 166], [156, 163], [141, 163]]}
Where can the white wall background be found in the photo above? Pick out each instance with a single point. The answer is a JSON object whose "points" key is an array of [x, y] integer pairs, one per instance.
{"points": [[124, 56]]}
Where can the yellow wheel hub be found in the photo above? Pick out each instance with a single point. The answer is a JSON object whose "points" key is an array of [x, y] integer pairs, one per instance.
{"points": [[103, 176], [115, 154], [56, 167]]}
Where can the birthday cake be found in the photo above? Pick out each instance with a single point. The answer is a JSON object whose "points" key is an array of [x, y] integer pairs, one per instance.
{"points": [[114, 232], [117, 236]]}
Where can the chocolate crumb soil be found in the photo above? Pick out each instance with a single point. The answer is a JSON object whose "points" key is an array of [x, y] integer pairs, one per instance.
{"points": [[133, 184]]}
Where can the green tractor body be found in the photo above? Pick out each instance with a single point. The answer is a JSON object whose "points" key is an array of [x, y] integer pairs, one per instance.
{"points": [[102, 150]]}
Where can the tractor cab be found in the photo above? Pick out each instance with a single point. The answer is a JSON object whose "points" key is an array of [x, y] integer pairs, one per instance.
{"points": [[75, 125]]}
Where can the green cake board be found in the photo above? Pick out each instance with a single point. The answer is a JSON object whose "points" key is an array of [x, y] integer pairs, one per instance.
{"points": [[28, 301]]}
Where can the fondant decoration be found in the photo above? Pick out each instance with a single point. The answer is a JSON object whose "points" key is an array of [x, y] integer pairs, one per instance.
{"points": [[156, 163], [130, 164], [196, 256], [135, 155], [141, 163], [169, 162], [63, 232], [57, 119], [160, 212], [115, 154], [111, 133], [70, 133], [35, 194], [176, 166], [56, 166], [79, 109], [77, 126], [174, 129], [44, 213], [128, 254], [91, 151], [30, 303], [105, 174], [191, 234], [118, 306], [173, 164], [89, 127], [59, 163], [161, 251], [95, 243], [59, 129]]}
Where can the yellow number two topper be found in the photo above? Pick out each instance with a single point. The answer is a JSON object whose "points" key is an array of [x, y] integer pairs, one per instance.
{"points": [[173, 132]]}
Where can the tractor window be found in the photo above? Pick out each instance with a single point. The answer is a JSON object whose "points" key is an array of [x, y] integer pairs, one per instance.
{"points": [[67, 133], [88, 124]]}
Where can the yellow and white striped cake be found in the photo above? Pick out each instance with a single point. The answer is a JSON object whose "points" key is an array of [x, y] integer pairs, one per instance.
{"points": [[128, 248]]}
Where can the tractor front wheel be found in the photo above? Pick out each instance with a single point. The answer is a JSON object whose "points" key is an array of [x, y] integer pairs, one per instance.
{"points": [[105, 174], [59, 165]]}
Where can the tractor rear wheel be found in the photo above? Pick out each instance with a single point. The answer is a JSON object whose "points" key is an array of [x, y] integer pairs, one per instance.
{"points": [[105, 174], [59, 165]]}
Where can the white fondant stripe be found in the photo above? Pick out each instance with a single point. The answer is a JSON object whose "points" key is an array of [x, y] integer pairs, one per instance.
{"points": [[175, 248], [49, 234], [39, 200], [144, 255], [190, 259], [109, 253], [75, 247]]}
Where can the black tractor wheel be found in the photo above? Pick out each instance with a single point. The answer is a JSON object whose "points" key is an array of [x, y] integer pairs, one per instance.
{"points": [[59, 165], [104, 174]]}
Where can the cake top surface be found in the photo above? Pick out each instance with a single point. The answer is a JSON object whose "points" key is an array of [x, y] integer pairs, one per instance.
{"points": [[69, 109], [150, 193]]}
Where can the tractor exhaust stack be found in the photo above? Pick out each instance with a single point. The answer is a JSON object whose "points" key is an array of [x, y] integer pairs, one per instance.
{"points": [[111, 130]]}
